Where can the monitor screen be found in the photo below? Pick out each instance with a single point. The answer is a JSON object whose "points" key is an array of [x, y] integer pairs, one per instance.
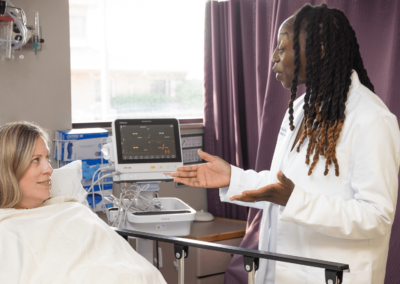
{"points": [[147, 141]]}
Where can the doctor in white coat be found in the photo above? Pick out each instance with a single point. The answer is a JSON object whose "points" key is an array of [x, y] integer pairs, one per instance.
{"points": [[331, 191]]}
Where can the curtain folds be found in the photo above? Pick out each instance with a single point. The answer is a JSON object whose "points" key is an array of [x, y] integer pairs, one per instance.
{"points": [[225, 103], [245, 105]]}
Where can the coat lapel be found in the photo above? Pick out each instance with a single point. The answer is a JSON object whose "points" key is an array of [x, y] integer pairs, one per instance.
{"points": [[283, 145], [270, 213], [268, 230]]}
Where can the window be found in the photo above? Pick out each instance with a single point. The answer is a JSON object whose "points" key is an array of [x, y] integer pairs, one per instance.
{"points": [[158, 87], [150, 52], [77, 27], [97, 91]]}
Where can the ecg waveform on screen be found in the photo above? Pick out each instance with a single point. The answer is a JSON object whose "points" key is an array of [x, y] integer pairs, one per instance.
{"points": [[165, 149]]}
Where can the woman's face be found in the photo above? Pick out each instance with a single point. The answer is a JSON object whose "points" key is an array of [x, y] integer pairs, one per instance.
{"points": [[36, 181], [284, 55]]}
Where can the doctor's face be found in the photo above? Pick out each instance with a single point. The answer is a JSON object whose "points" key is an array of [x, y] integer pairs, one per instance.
{"points": [[36, 181], [283, 55]]}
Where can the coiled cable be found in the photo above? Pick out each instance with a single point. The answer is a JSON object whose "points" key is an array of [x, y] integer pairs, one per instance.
{"points": [[131, 200]]}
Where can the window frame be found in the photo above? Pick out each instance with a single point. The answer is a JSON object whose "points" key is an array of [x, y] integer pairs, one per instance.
{"points": [[184, 123]]}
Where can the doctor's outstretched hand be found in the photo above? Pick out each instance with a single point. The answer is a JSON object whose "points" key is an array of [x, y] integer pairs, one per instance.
{"points": [[277, 193], [214, 174]]}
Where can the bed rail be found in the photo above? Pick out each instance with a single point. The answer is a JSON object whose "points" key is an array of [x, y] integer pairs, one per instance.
{"points": [[333, 271]]}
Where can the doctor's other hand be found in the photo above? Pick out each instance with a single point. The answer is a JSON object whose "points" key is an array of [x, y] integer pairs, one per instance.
{"points": [[277, 193], [214, 174]]}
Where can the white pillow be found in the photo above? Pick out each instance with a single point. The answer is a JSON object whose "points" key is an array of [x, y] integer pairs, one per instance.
{"points": [[66, 181]]}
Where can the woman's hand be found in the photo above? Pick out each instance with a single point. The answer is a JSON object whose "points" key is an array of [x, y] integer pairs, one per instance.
{"points": [[277, 193], [214, 174]]}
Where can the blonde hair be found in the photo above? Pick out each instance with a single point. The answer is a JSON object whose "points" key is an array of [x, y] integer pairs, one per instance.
{"points": [[17, 143]]}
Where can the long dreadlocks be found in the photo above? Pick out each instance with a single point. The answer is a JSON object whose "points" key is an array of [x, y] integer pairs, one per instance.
{"points": [[328, 78]]}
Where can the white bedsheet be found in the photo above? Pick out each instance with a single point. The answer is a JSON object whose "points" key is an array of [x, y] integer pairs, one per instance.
{"points": [[64, 242]]}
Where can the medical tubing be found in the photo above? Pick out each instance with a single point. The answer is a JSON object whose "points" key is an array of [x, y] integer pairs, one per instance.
{"points": [[9, 3], [93, 184], [125, 203], [20, 25], [143, 203], [101, 186], [117, 221], [93, 201], [132, 201], [127, 193], [109, 168], [9, 40]]}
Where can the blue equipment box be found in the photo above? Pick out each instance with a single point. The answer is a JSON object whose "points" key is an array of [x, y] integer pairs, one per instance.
{"points": [[79, 144]]}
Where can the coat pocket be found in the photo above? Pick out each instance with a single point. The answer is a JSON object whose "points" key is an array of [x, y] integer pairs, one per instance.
{"points": [[355, 253]]}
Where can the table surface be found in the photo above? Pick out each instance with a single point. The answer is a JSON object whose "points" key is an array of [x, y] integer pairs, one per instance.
{"points": [[217, 230]]}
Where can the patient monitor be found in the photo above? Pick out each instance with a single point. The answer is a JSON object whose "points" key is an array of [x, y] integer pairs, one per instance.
{"points": [[145, 149], [144, 152]]}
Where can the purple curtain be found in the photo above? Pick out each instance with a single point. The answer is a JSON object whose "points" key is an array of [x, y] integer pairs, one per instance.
{"points": [[231, 117], [244, 104]]}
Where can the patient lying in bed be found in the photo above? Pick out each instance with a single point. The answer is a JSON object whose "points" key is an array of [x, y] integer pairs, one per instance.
{"points": [[54, 240]]}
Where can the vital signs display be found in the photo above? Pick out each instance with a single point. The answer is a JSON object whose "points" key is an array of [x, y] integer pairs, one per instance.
{"points": [[147, 141]]}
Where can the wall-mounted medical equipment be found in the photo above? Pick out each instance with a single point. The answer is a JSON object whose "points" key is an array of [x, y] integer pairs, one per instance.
{"points": [[191, 143], [15, 34]]}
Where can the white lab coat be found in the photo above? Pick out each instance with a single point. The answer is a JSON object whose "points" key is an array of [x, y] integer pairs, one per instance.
{"points": [[344, 219]]}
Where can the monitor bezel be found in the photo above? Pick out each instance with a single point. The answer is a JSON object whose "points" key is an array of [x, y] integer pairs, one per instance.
{"points": [[158, 121]]}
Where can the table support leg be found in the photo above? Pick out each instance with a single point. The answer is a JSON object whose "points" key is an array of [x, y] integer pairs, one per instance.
{"points": [[181, 252]]}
